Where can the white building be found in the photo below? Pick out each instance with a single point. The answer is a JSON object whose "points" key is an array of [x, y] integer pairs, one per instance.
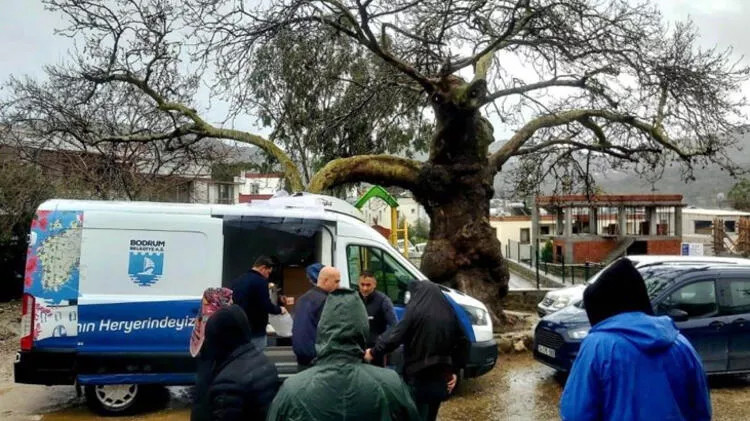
{"points": [[377, 212], [698, 225], [246, 187]]}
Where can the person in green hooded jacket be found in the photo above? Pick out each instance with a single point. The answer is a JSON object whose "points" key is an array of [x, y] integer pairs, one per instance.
{"points": [[340, 385]]}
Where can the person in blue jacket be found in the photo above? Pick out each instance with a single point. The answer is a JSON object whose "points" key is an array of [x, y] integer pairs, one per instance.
{"points": [[307, 313], [632, 365]]}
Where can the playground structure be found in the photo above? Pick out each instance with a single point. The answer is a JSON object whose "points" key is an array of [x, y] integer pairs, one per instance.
{"points": [[377, 192]]}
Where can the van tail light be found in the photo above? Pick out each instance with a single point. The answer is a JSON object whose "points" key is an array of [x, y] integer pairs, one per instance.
{"points": [[27, 322]]}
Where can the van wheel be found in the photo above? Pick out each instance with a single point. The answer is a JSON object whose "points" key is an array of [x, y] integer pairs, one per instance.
{"points": [[113, 399]]}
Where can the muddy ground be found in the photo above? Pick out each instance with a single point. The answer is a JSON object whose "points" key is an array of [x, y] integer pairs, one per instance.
{"points": [[517, 389]]}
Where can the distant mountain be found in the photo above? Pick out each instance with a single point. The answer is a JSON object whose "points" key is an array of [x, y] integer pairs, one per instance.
{"points": [[708, 184]]}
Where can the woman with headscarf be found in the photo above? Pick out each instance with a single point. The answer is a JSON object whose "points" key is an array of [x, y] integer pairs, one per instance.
{"points": [[213, 300], [434, 344], [242, 381]]}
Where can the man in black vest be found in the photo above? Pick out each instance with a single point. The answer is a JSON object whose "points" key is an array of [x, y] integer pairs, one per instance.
{"points": [[379, 309]]}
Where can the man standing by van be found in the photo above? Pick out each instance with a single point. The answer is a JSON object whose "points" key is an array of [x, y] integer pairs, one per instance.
{"points": [[307, 315], [250, 291], [380, 313]]}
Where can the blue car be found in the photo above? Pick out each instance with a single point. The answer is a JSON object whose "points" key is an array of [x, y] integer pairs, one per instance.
{"points": [[710, 304]]}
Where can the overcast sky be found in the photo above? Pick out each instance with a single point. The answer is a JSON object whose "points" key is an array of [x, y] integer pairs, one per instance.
{"points": [[28, 42]]}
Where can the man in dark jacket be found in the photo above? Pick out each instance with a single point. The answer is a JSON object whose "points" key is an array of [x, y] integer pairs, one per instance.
{"points": [[307, 314], [379, 307], [250, 292], [243, 381], [340, 386], [632, 365], [435, 346]]}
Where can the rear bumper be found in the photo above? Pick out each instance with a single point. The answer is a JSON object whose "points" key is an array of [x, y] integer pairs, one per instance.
{"points": [[66, 367], [63, 367], [45, 367], [482, 358]]}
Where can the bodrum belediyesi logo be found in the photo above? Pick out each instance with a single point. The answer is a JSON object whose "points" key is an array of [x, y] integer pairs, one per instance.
{"points": [[146, 261]]}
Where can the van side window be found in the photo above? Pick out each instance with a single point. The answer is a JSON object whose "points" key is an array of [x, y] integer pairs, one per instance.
{"points": [[697, 300], [393, 279], [737, 296]]}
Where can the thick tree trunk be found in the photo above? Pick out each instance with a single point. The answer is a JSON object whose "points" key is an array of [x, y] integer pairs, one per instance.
{"points": [[463, 251], [455, 187]]}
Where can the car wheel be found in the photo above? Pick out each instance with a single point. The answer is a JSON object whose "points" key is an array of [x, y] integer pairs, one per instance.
{"points": [[114, 399]]}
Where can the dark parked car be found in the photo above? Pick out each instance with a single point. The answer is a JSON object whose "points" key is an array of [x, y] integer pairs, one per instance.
{"points": [[710, 304]]}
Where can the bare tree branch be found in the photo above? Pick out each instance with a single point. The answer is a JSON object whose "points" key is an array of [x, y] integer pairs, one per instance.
{"points": [[376, 169], [657, 134]]}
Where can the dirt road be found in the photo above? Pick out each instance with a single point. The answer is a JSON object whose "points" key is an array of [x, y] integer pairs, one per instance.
{"points": [[517, 389]]}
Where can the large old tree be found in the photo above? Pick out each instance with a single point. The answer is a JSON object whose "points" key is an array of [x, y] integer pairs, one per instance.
{"points": [[570, 82]]}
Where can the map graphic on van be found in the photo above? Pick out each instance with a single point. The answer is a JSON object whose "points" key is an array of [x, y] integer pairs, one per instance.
{"points": [[146, 263], [52, 259]]}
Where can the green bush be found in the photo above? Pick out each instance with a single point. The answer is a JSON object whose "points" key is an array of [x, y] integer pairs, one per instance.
{"points": [[546, 255]]}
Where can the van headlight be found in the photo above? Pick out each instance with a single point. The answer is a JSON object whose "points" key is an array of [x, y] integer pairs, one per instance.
{"points": [[579, 333], [561, 302], [478, 316]]}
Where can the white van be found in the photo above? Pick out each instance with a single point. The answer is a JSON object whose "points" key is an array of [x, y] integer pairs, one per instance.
{"points": [[112, 288]]}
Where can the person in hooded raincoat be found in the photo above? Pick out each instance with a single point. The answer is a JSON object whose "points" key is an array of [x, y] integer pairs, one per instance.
{"points": [[632, 365], [434, 346], [242, 381], [340, 386]]}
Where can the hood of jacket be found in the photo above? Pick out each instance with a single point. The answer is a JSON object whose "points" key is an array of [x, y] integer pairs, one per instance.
{"points": [[650, 334], [619, 289], [226, 330], [343, 328]]}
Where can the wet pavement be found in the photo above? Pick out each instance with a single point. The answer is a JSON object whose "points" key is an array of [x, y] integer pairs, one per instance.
{"points": [[518, 282], [517, 389]]}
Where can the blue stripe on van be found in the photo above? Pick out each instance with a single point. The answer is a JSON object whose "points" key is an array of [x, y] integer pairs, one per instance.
{"points": [[463, 319], [165, 379], [162, 326]]}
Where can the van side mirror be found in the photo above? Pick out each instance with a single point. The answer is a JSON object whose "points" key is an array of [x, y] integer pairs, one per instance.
{"points": [[677, 315]]}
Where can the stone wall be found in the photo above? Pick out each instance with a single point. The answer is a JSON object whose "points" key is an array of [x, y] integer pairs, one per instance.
{"points": [[524, 299]]}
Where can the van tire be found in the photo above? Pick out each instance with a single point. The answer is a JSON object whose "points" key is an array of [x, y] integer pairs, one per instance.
{"points": [[113, 400]]}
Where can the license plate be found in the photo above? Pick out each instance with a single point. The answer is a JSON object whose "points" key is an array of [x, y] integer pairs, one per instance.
{"points": [[546, 351]]}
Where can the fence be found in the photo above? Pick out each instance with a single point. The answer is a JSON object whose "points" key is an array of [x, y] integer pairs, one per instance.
{"points": [[529, 255]]}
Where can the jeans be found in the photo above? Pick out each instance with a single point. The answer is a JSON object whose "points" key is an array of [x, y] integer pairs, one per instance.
{"points": [[259, 342]]}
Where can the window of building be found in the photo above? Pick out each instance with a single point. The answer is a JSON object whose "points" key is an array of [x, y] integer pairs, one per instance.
{"points": [[703, 227], [544, 230], [730, 226], [525, 235], [255, 188], [226, 194]]}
